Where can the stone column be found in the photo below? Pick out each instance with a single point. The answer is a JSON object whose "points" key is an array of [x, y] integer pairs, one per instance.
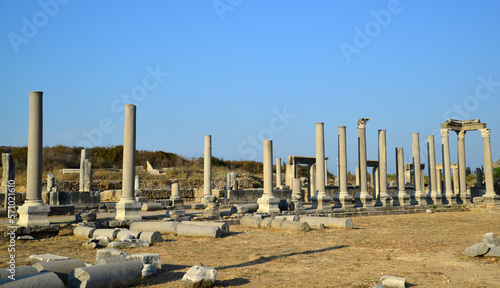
{"points": [[326, 173], [322, 201], [311, 182], [268, 203], [127, 209], [137, 183], [401, 198], [490, 198], [207, 171], [85, 172], [8, 176], [34, 212], [296, 194], [357, 176], [456, 179], [363, 199], [83, 156], [418, 197], [278, 172], [464, 196], [448, 196], [289, 171], [342, 199], [385, 198], [439, 182], [434, 197]]}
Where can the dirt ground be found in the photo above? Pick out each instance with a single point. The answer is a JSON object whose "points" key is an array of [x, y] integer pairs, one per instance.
{"points": [[426, 249]]}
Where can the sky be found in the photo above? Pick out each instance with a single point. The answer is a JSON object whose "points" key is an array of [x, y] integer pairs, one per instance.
{"points": [[243, 71]]}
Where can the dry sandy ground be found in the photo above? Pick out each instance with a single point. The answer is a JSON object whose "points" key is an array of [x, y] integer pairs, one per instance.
{"points": [[426, 249]]}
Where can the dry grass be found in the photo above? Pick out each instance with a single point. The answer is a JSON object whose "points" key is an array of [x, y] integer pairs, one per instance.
{"points": [[426, 249]]}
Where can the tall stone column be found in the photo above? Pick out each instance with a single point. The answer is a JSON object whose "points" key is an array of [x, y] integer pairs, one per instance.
{"points": [[322, 201], [464, 196], [278, 172], [434, 197], [418, 197], [34, 212], [363, 199], [268, 203], [385, 198], [490, 198], [207, 171], [439, 182], [342, 199], [127, 209], [448, 196], [401, 198]]}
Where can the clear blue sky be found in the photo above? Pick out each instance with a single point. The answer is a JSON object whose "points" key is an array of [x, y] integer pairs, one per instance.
{"points": [[242, 70]]}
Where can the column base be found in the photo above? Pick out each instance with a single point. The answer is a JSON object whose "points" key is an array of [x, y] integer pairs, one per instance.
{"points": [[449, 199], [384, 200], [401, 199], [176, 201], [208, 199], [363, 200], [33, 214], [464, 199], [128, 211], [418, 199], [435, 199], [492, 200], [268, 204], [343, 201], [212, 212], [321, 202]]}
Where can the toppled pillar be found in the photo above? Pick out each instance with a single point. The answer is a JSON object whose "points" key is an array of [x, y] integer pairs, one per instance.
{"points": [[120, 274]]}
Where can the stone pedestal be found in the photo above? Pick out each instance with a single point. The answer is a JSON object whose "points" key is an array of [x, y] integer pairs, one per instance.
{"points": [[363, 199], [176, 197], [268, 203], [401, 198], [342, 199], [418, 198], [321, 201], [127, 209], [34, 212], [212, 211]]}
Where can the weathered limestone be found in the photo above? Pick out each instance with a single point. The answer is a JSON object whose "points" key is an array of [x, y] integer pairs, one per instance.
{"points": [[267, 202], [151, 206], [222, 225], [120, 274], [207, 171], [418, 198], [250, 221], [321, 201], [62, 268], [342, 199], [125, 232], [85, 172], [384, 197], [199, 231], [152, 170], [137, 183], [151, 237], [147, 258], [439, 183], [296, 194], [164, 227], [278, 173], [330, 222], [448, 196], [176, 197], [34, 212], [34, 258], [489, 198], [103, 261], [84, 232], [110, 253], [246, 208], [434, 197], [232, 183], [127, 209], [8, 176], [290, 225], [18, 271], [392, 281], [363, 199], [111, 233], [49, 279], [200, 277], [401, 198]]}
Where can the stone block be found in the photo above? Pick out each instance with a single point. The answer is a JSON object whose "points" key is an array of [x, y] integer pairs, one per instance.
{"points": [[149, 270], [200, 277], [494, 252], [109, 253], [392, 281], [147, 258], [491, 239], [49, 279], [478, 249], [33, 259], [120, 274]]}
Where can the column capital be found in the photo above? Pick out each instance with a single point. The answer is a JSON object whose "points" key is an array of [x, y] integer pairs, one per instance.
{"points": [[461, 134], [445, 132], [362, 122], [485, 133]]}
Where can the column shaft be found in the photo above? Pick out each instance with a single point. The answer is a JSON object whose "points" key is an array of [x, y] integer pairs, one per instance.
{"points": [[461, 163], [488, 168], [207, 168], [432, 164], [382, 161], [445, 140], [278, 172], [129, 154], [320, 159], [268, 168], [35, 139], [342, 161]]}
